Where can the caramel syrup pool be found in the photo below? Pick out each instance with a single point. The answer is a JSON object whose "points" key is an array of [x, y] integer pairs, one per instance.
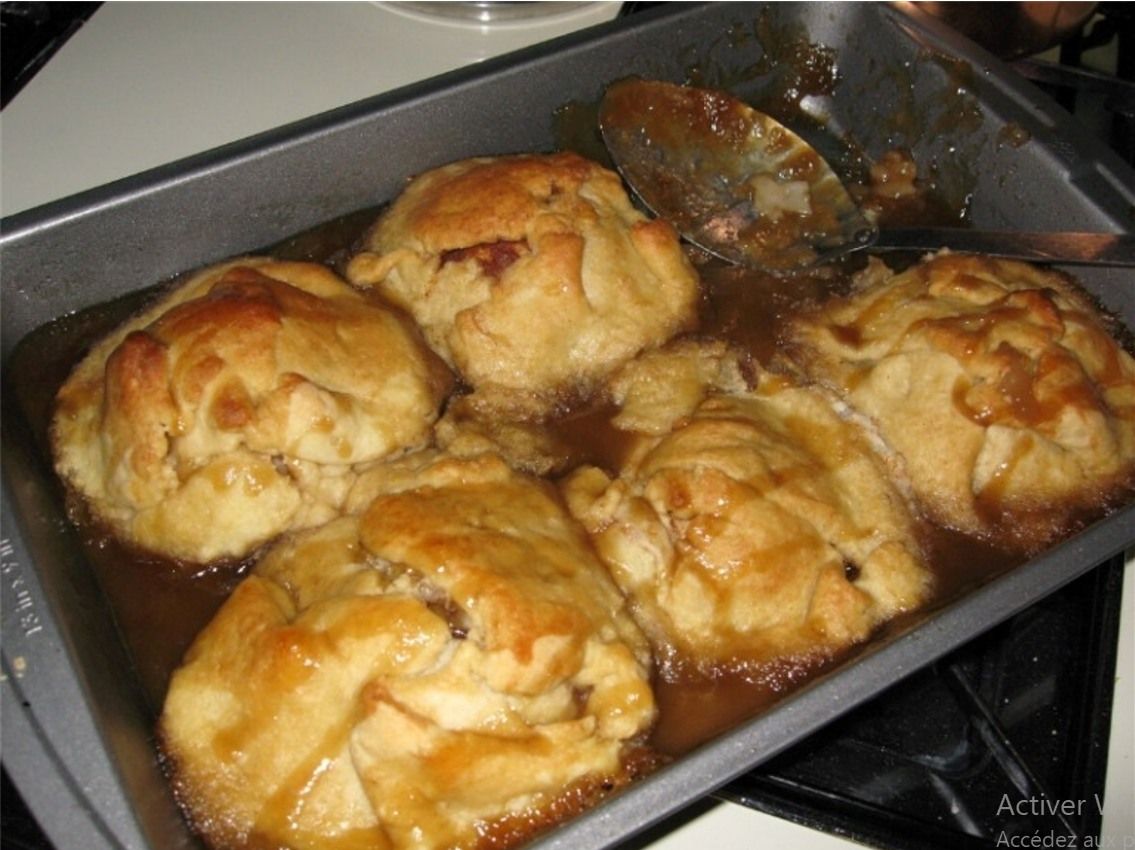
{"points": [[159, 605]]}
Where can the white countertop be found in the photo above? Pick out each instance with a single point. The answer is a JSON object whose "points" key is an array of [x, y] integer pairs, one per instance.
{"points": [[143, 84]]}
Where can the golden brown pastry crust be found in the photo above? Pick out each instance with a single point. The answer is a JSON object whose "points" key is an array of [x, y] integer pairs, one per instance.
{"points": [[760, 529], [995, 384], [452, 657], [527, 445], [532, 275], [659, 387], [236, 407]]}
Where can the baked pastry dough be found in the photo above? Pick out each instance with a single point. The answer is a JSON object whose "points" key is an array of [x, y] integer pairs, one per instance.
{"points": [[237, 406], [450, 664], [532, 275], [661, 386], [996, 385], [648, 394], [760, 528], [528, 446]]}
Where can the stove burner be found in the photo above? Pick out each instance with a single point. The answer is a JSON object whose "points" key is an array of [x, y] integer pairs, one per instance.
{"points": [[18, 829], [1004, 739], [1095, 76], [31, 33]]}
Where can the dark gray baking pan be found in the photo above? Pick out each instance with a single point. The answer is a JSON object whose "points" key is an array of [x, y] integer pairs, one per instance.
{"points": [[76, 729]]}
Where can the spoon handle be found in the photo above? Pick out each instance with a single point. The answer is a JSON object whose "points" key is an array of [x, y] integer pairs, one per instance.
{"points": [[1100, 249]]}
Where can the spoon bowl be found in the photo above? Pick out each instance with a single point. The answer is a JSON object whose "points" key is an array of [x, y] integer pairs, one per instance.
{"points": [[745, 188], [731, 179]]}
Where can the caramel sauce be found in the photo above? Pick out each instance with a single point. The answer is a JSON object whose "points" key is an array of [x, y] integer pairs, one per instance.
{"points": [[748, 307], [160, 605], [1013, 136], [695, 709], [592, 439]]}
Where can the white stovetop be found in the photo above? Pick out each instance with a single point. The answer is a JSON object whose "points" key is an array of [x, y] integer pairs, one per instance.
{"points": [[143, 84]]}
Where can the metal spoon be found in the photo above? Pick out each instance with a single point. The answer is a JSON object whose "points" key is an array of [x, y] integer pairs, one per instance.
{"points": [[744, 187]]}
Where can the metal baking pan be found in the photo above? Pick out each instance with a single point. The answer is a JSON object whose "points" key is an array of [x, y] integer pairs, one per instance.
{"points": [[77, 735]]}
